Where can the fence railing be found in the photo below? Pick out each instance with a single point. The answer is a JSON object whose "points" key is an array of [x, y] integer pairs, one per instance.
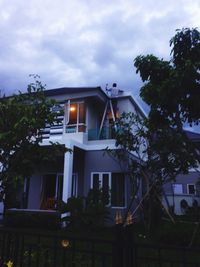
{"points": [[25, 248]]}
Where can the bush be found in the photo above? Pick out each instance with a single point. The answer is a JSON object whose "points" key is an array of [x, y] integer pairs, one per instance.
{"points": [[32, 219], [90, 211]]}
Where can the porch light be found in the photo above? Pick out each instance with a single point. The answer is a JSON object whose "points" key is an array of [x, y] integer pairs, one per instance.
{"points": [[65, 243]]}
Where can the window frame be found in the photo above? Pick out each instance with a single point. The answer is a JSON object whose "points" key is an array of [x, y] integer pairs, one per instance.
{"points": [[188, 189], [59, 176], [110, 187], [125, 192], [101, 183], [78, 124]]}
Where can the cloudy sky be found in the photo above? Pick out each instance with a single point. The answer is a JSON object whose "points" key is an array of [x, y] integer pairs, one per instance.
{"points": [[86, 42]]}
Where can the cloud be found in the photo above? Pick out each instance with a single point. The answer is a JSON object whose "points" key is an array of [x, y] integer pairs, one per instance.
{"points": [[86, 42]]}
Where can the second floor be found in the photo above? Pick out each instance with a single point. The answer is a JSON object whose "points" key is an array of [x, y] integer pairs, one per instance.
{"points": [[88, 114]]}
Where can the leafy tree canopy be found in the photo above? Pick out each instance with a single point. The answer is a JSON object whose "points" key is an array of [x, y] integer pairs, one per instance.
{"points": [[22, 117], [172, 88]]}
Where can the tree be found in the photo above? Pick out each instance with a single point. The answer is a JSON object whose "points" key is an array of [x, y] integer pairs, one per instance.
{"points": [[22, 117], [149, 160], [172, 90]]}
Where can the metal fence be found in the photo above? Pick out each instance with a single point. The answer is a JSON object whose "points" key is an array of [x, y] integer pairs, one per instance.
{"points": [[25, 248]]}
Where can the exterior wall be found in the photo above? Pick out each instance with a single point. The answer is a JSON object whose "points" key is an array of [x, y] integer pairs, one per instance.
{"points": [[99, 161], [175, 199], [183, 179], [125, 105], [96, 161], [78, 168]]}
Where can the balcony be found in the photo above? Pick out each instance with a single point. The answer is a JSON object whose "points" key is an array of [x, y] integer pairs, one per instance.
{"points": [[75, 128], [106, 133]]}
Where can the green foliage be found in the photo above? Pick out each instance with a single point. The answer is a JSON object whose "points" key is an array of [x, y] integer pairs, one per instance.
{"points": [[161, 156], [86, 212], [172, 88], [22, 117]]}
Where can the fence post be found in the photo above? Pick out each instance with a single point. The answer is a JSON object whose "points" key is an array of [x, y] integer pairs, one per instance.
{"points": [[130, 256], [16, 248], [129, 246], [118, 248]]}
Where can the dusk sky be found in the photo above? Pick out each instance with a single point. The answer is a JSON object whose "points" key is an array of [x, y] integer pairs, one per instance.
{"points": [[86, 42]]}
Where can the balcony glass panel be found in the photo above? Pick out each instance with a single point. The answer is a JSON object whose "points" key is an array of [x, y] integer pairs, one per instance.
{"points": [[106, 133]]}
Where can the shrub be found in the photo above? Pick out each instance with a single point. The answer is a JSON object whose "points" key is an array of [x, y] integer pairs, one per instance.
{"points": [[33, 219]]}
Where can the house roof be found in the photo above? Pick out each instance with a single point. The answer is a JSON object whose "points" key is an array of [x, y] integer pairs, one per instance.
{"points": [[70, 90], [79, 90]]}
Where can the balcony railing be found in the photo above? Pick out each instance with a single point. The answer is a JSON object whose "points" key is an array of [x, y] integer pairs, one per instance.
{"points": [[106, 133], [75, 128]]}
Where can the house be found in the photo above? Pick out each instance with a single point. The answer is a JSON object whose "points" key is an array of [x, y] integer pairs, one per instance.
{"points": [[86, 128], [186, 187]]}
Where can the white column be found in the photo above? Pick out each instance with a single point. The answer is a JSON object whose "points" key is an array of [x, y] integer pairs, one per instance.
{"points": [[68, 169]]}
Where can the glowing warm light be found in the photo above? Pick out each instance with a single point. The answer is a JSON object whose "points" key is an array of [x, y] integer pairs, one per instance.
{"points": [[65, 243], [72, 108]]}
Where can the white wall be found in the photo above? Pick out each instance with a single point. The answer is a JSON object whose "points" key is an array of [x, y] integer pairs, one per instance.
{"points": [[177, 200]]}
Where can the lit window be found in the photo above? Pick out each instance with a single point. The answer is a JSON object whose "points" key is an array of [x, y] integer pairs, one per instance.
{"points": [[76, 118]]}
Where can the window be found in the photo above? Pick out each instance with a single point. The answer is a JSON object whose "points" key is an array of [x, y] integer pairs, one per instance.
{"points": [[118, 190], [75, 117], [177, 189], [102, 181], [112, 185], [191, 190]]}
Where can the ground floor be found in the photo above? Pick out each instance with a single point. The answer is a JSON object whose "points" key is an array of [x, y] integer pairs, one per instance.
{"points": [[73, 175]]}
